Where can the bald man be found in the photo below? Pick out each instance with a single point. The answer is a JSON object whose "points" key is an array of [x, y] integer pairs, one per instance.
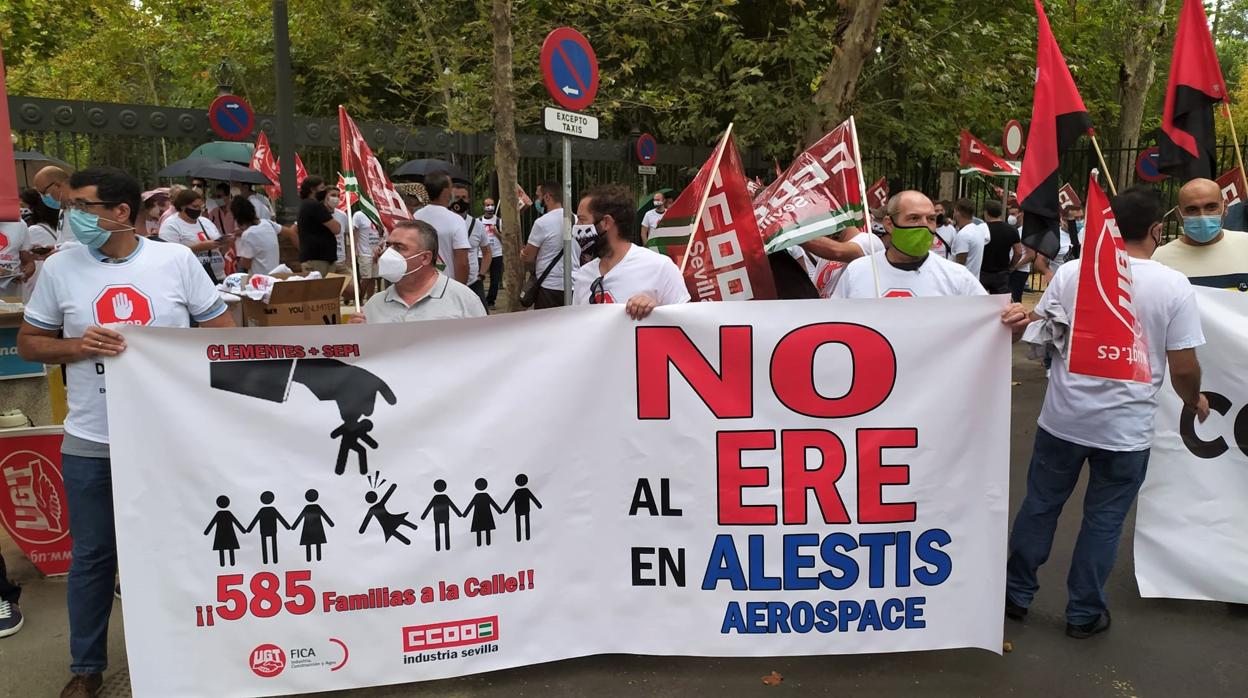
{"points": [[1207, 254], [52, 183]]}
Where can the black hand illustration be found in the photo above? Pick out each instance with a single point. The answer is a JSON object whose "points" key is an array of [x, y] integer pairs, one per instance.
{"points": [[353, 388]]}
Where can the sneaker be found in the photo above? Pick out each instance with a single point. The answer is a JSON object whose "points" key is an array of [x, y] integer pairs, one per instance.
{"points": [[1087, 630], [10, 619], [83, 686], [1014, 611]]}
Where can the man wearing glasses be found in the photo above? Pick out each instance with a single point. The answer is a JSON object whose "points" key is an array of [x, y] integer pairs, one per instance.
{"points": [[621, 271], [112, 276]]}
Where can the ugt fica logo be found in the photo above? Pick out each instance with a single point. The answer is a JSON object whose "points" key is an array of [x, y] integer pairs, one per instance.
{"points": [[267, 661]]}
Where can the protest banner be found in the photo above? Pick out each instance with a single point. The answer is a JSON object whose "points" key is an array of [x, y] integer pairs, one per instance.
{"points": [[1106, 337], [33, 505], [718, 480], [976, 155], [711, 234], [1189, 527], [819, 195]]}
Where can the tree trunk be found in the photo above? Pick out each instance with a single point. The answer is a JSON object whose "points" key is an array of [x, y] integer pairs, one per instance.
{"points": [[853, 43], [506, 154], [1135, 77]]}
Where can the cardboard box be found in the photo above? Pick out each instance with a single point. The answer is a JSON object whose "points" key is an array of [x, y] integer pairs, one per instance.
{"points": [[313, 302]]}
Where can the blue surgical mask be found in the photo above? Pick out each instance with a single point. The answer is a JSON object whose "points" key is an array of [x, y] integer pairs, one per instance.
{"points": [[539, 206], [86, 228], [50, 202], [1202, 229]]}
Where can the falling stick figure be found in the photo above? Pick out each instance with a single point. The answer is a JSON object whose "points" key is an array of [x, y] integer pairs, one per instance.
{"points": [[225, 540], [314, 519], [522, 499], [441, 506], [482, 508], [352, 433], [389, 522], [268, 517]]}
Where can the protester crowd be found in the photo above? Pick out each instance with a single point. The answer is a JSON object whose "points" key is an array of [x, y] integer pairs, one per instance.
{"points": [[96, 229]]}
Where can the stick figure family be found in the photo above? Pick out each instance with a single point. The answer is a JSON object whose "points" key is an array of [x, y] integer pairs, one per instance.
{"points": [[312, 518], [480, 511]]}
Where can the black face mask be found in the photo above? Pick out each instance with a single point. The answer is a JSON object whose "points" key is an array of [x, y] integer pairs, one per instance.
{"points": [[320, 195], [192, 213]]}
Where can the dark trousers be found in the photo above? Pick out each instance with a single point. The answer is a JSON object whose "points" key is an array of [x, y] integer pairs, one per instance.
{"points": [[1114, 478], [1018, 284], [995, 281], [89, 488], [496, 281], [546, 298], [8, 590], [478, 287]]}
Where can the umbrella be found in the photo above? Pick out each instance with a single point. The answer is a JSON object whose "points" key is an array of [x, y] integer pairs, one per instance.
{"points": [[229, 151], [33, 161], [213, 169], [417, 169]]}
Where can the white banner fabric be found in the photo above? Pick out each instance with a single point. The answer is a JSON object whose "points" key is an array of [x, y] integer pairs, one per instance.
{"points": [[312, 508], [1191, 526]]}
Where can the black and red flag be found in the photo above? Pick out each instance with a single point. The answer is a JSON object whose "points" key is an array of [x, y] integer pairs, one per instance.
{"points": [[1196, 84], [1058, 118]]}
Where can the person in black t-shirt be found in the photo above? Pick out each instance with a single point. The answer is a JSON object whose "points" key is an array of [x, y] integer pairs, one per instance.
{"points": [[318, 231], [1001, 252]]}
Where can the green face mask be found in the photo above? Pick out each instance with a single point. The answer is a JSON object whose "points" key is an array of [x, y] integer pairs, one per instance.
{"points": [[914, 242]]}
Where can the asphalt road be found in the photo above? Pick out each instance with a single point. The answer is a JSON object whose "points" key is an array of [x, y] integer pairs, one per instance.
{"points": [[1155, 648]]}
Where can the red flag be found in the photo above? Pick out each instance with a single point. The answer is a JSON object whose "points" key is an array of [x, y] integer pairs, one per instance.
{"points": [[10, 207], [377, 197], [262, 161], [877, 194], [1107, 339], [301, 172], [726, 258], [1232, 185], [1187, 138], [1066, 196], [976, 153], [1058, 118]]}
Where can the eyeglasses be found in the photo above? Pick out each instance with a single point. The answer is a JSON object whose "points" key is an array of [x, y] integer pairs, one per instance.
{"points": [[83, 204], [597, 293]]}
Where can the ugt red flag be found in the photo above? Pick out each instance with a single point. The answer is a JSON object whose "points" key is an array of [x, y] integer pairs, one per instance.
{"points": [[10, 208], [262, 161], [877, 194], [1232, 185], [820, 194], [975, 153], [1058, 118], [1107, 339], [713, 223], [1187, 139], [363, 176]]}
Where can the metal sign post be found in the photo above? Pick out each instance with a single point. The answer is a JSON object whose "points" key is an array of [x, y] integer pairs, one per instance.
{"points": [[567, 220]]}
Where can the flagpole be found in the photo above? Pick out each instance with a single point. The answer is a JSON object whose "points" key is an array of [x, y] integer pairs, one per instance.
{"points": [[1101, 157], [355, 275], [1239, 155], [866, 211], [697, 217]]}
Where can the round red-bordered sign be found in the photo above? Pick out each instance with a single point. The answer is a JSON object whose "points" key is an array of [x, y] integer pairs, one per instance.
{"points": [[231, 118], [1146, 165], [569, 68], [1012, 139], [647, 149]]}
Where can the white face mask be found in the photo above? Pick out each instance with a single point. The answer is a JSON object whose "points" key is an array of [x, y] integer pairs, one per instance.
{"points": [[1013, 221], [392, 265], [235, 191]]}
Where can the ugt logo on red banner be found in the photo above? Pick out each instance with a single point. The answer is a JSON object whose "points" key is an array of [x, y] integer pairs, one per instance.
{"points": [[125, 304]]}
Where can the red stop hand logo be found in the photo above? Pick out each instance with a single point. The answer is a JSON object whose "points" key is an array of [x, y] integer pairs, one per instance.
{"points": [[123, 304], [898, 293]]}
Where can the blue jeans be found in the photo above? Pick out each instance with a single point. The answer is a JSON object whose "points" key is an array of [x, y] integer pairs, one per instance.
{"points": [[89, 488], [1114, 478]]}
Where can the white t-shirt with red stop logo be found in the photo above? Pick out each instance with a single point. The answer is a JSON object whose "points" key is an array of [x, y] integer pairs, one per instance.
{"points": [[828, 272], [641, 271], [159, 284], [937, 276]]}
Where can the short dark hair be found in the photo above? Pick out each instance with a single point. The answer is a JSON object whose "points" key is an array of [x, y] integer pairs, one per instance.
{"points": [[112, 185], [992, 208], [428, 235], [244, 211], [222, 187], [186, 197], [1136, 209], [309, 185], [554, 190], [39, 211], [614, 200], [965, 206], [436, 183]]}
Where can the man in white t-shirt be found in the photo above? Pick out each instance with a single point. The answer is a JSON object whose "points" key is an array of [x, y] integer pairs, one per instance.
{"points": [[543, 253], [832, 254], [113, 276], [489, 221], [621, 272], [1021, 269], [942, 243], [52, 183], [651, 220], [452, 231], [1105, 422], [972, 235], [264, 211], [480, 254], [367, 242]]}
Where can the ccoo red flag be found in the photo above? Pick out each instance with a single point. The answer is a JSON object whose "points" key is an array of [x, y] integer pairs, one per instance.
{"points": [[1187, 141], [262, 161], [975, 153], [1058, 118], [1107, 339]]}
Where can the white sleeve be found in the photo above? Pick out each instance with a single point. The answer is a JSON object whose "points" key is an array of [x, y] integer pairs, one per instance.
{"points": [[1184, 331], [43, 310], [244, 247], [202, 299], [673, 288], [537, 235], [167, 232], [460, 240], [971, 285], [962, 241]]}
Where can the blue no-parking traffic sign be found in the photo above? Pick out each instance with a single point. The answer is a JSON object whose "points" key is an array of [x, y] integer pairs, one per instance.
{"points": [[647, 149], [231, 118], [1146, 165], [570, 68]]}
